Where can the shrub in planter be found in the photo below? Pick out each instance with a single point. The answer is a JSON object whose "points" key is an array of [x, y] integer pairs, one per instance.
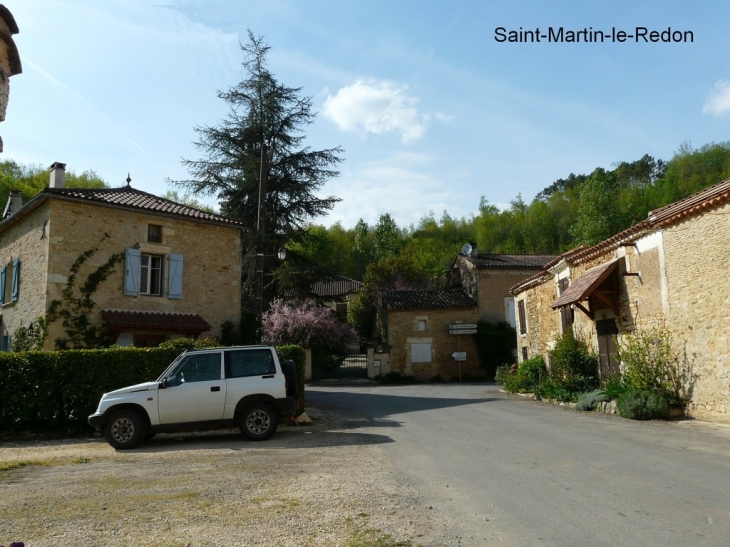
{"points": [[614, 387], [642, 405]]}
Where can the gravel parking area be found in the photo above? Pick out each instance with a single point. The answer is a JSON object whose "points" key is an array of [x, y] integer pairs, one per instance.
{"points": [[322, 484]]}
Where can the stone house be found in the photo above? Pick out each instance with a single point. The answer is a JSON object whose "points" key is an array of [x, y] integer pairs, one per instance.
{"points": [[412, 323], [487, 278], [669, 271], [180, 274]]}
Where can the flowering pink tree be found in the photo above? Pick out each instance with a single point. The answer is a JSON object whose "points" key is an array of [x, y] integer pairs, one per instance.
{"points": [[306, 325]]}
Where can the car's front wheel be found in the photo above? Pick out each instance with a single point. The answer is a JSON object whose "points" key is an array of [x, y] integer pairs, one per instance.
{"points": [[258, 421], [125, 429]]}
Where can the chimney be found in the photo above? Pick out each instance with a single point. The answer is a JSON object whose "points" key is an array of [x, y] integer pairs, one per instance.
{"points": [[58, 175], [474, 249], [15, 202]]}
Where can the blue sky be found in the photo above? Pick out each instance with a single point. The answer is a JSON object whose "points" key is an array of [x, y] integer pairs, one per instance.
{"points": [[432, 111]]}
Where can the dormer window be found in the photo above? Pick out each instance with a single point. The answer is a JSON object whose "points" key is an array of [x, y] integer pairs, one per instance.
{"points": [[154, 233]]}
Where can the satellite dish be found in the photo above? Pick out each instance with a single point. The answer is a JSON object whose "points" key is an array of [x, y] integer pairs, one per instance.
{"points": [[466, 249]]}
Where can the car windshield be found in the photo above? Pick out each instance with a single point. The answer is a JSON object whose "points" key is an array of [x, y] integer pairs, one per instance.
{"points": [[171, 366]]}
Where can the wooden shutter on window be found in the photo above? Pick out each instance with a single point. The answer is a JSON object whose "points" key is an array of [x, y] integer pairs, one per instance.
{"points": [[566, 313], [3, 280], [133, 259], [15, 288], [174, 285], [523, 318]]}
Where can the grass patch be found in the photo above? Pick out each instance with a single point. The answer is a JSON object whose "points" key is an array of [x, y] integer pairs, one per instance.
{"points": [[371, 538], [17, 464], [81, 460]]}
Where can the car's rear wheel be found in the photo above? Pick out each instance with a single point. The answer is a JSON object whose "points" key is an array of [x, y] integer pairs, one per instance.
{"points": [[258, 421], [125, 429]]}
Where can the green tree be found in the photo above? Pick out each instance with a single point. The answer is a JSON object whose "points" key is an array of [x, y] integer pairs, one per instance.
{"points": [[263, 114], [598, 218], [187, 199], [29, 180]]}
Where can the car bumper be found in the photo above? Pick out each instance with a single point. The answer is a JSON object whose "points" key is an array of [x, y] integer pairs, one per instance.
{"points": [[95, 420], [285, 406]]}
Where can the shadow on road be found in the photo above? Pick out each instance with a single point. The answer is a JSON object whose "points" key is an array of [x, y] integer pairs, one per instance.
{"points": [[367, 409]]}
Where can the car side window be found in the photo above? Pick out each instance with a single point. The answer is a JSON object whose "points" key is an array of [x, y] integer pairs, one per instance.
{"points": [[255, 362], [200, 368]]}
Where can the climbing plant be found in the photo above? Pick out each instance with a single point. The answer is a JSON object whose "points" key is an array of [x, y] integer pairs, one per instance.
{"points": [[76, 303]]}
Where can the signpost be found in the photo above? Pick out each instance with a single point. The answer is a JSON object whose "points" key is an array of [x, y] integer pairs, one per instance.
{"points": [[459, 328]]}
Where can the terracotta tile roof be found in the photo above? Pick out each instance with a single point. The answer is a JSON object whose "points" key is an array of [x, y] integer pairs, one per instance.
{"points": [[483, 260], [582, 287], [131, 198], [426, 299], [137, 320], [331, 288]]}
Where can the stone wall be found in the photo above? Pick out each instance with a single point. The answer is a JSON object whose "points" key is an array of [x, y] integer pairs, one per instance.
{"points": [[494, 286], [403, 332], [698, 279], [211, 260], [27, 241]]}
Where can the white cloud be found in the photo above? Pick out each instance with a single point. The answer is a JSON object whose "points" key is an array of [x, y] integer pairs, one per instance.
{"points": [[376, 107], [718, 102]]}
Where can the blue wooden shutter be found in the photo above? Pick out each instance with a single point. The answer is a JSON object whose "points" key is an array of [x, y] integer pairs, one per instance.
{"points": [[174, 285], [15, 289], [132, 262], [3, 280]]}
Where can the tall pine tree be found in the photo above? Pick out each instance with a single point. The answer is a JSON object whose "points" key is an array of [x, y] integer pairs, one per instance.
{"points": [[263, 113]]}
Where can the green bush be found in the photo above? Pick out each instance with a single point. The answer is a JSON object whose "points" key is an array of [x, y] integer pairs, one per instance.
{"points": [[650, 364], [527, 377], [502, 372], [59, 389], [496, 343], [589, 401], [570, 357], [187, 344], [614, 387], [642, 405]]}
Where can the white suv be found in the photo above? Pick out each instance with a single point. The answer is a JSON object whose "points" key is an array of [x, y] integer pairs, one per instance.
{"points": [[206, 389]]}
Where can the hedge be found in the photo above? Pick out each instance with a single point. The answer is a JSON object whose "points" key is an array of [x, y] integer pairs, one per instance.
{"points": [[46, 391]]}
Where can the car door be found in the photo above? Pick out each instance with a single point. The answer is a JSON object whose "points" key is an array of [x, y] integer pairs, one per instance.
{"points": [[248, 372], [196, 390]]}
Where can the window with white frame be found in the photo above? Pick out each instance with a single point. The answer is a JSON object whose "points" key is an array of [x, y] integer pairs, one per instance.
{"points": [[150, 275], [421, 352], [144, 274]]}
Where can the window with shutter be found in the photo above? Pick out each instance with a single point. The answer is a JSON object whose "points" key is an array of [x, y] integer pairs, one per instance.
{"points": [[3, 281], [132, 262], [175, 287], [566, 313], [523, 316], [15, 289], [420, 353]]}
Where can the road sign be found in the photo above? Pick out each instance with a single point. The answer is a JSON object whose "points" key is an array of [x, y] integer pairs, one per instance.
{"points": [[459, 355], [462, 326]]}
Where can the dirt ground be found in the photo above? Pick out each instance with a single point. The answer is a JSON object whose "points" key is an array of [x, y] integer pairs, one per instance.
{"points": [[320, 484]]}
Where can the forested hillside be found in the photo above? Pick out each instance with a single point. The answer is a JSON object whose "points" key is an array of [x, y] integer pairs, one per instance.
{"points": [[579, 209]]}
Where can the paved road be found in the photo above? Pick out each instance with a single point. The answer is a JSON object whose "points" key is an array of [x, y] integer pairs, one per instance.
{"points": [[510, 471]]}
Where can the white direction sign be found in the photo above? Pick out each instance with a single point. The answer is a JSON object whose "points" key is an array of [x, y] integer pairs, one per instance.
{"points": [[463, 328], [459, 356]]}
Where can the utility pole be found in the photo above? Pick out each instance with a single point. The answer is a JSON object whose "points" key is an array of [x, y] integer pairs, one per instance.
{"points": [[260, 248]]}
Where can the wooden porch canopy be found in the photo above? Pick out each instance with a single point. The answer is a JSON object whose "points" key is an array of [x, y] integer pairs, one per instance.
{"points": [[598, 286]]}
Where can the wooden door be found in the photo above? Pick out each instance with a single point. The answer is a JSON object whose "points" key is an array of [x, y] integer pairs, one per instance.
{"points": [[607, 331]]}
